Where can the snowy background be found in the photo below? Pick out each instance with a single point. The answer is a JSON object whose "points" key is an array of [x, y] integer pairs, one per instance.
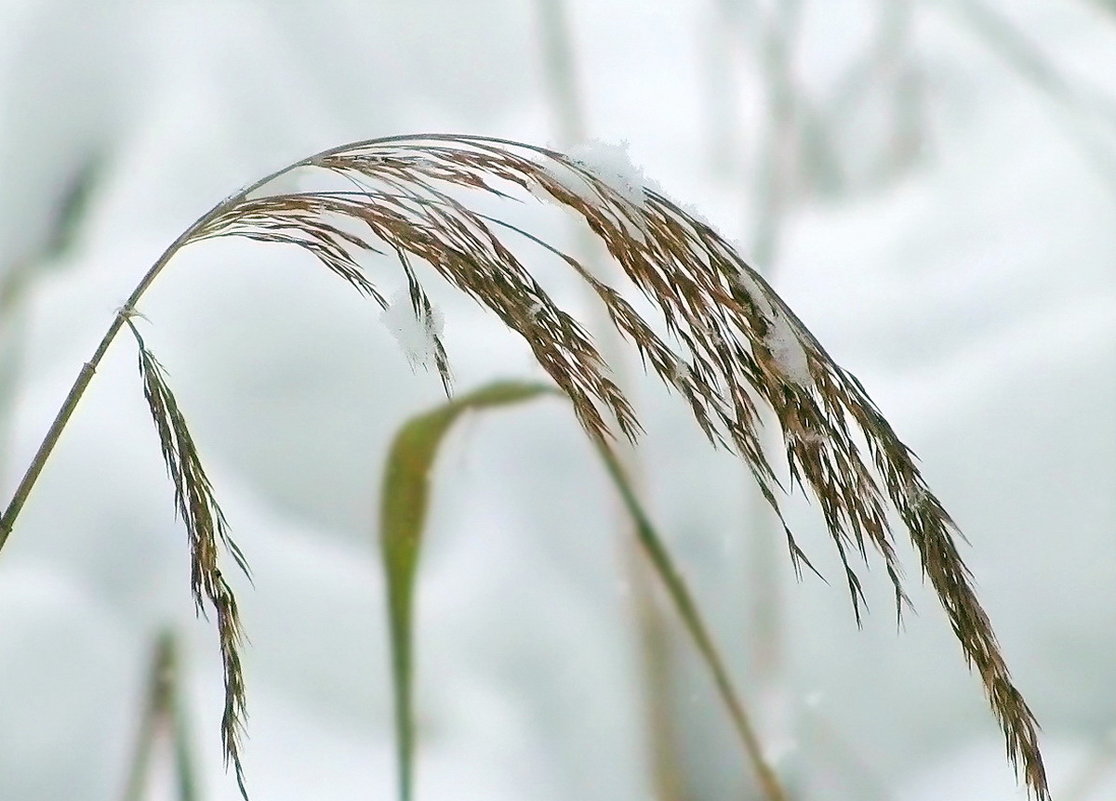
{"points": [[930, 185]]}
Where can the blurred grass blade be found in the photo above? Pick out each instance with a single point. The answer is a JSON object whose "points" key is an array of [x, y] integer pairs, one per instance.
{"points": [[406, 492], [404, 504]]}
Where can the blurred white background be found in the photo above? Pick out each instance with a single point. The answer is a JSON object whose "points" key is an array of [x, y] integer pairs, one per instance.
{"points": [[930, 185]]}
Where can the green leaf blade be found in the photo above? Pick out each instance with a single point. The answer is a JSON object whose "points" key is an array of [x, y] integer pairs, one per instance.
{"points": [[405, 498]]}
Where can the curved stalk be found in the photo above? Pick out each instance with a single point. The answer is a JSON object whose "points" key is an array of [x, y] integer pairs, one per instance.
{"points": [[85, 375]]}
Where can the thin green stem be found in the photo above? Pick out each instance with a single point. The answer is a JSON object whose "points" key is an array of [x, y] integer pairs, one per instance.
{"points": [[691, 617], [402, 647], [7, 520], [85, 375]]}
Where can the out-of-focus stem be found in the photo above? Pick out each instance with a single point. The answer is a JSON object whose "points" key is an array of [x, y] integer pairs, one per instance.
{"points": [[722, 88], [737, 26], [559, 72], [909, 132], [1006, 40], [162, 712], [656, 646], [773, 175], [12, 283], [778, 149], [887, 63], [1093, 111], [17, 281], [566, 103]]}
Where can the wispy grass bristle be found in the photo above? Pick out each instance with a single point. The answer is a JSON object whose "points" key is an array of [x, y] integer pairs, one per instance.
{"points": [[208, 534]]}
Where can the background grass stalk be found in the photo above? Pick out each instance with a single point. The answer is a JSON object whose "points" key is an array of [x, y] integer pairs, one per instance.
{"points": [[404, 501], [163, 712], [655, 642], [13, 324], [17, 282]]}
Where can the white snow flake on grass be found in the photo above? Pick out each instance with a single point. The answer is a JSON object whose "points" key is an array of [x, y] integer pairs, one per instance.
{"points": [[787, 351], [917, 496], [781, 339], [597, 173], [696, 214], [679, 371], [746, 283], [569, 180], [416, 333], [612, 165]]}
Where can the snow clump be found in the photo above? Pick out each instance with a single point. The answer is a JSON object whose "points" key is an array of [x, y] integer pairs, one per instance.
{"points": [[418, 332], [611, 165], [743, 281], [781, 339], [787, 351], [679, 371]]}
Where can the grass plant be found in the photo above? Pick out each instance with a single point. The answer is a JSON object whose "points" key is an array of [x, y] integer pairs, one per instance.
{"points": [[721, 339]]}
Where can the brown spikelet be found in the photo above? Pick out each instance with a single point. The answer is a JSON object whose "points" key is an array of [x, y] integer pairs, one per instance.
{"points": [[208, 532], [731, 346]]}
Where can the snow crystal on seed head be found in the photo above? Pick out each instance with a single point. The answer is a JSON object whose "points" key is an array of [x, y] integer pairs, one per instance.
{"points": [[416, 332], [696, 214], [612, 165], [787, 351], [692, 211], [568, 179], [780, 339], [678, 371], [743, 281], [917, 496], [535, 310], [811, 438]]}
